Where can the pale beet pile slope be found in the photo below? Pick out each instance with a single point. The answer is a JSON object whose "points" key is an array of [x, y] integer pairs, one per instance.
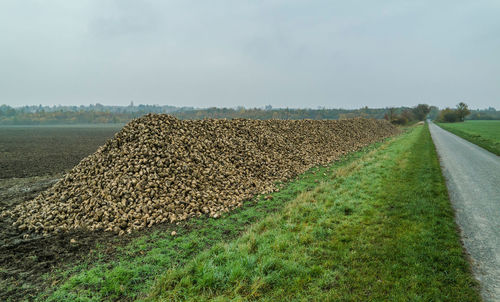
{"points": [[159, 168]]}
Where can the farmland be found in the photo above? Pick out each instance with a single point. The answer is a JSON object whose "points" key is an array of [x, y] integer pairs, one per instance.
{"points": [[485, 134], [160, 169], [353, 228], [27, 151], [25, 260], [31, 160]]}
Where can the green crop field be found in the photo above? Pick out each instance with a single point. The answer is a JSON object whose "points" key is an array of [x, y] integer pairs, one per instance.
{"points": [[376, 225], [485, 134]]}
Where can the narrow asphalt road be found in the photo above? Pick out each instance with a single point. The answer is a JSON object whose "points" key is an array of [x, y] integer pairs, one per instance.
{"points": [[473, 180]]}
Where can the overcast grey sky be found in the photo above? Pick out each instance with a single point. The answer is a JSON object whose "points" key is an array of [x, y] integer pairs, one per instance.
{"points": [[286, 53]]}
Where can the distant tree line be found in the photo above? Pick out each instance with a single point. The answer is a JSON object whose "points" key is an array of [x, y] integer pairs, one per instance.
{"points": [[453, 115], [46, 115], [92, 114], [280, 113], [484, 114], [95, 108], [404, 116]]}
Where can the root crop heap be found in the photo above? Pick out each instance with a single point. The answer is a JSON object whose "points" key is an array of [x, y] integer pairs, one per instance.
{"points": [[161, 169]]}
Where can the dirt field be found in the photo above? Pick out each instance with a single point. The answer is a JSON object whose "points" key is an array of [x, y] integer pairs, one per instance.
{"points": [[27, 151], [24, 262], [31, 160]]}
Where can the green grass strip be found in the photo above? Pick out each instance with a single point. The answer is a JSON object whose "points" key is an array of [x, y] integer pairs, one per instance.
{"points": [[378, 229], [133, 271], [485, 134]]}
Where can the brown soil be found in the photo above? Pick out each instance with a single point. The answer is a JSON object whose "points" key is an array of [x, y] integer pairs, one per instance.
{"points": [[30, 152], [27, 151], [24, 262]]}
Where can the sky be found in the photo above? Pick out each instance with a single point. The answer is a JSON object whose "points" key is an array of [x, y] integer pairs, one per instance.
{"points": [[296, 54]]}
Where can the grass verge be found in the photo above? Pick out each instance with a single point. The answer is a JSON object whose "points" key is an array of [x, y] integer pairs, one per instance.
{"points": [[380, 228], [485, 134], [133, 269]]}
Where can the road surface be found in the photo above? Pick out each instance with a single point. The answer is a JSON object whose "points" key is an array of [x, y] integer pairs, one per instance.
{"points": [[473, 180]]}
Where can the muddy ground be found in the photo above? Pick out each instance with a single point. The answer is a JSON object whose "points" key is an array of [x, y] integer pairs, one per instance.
{"points": [[27, 151], [25, 262], [31, 160]]}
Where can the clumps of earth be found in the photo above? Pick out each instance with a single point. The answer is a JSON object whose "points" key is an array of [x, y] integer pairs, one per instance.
{"points": [[160, 169]]}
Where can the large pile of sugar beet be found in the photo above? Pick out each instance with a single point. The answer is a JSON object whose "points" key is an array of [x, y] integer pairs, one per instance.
{"points": [[161, 169]]}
